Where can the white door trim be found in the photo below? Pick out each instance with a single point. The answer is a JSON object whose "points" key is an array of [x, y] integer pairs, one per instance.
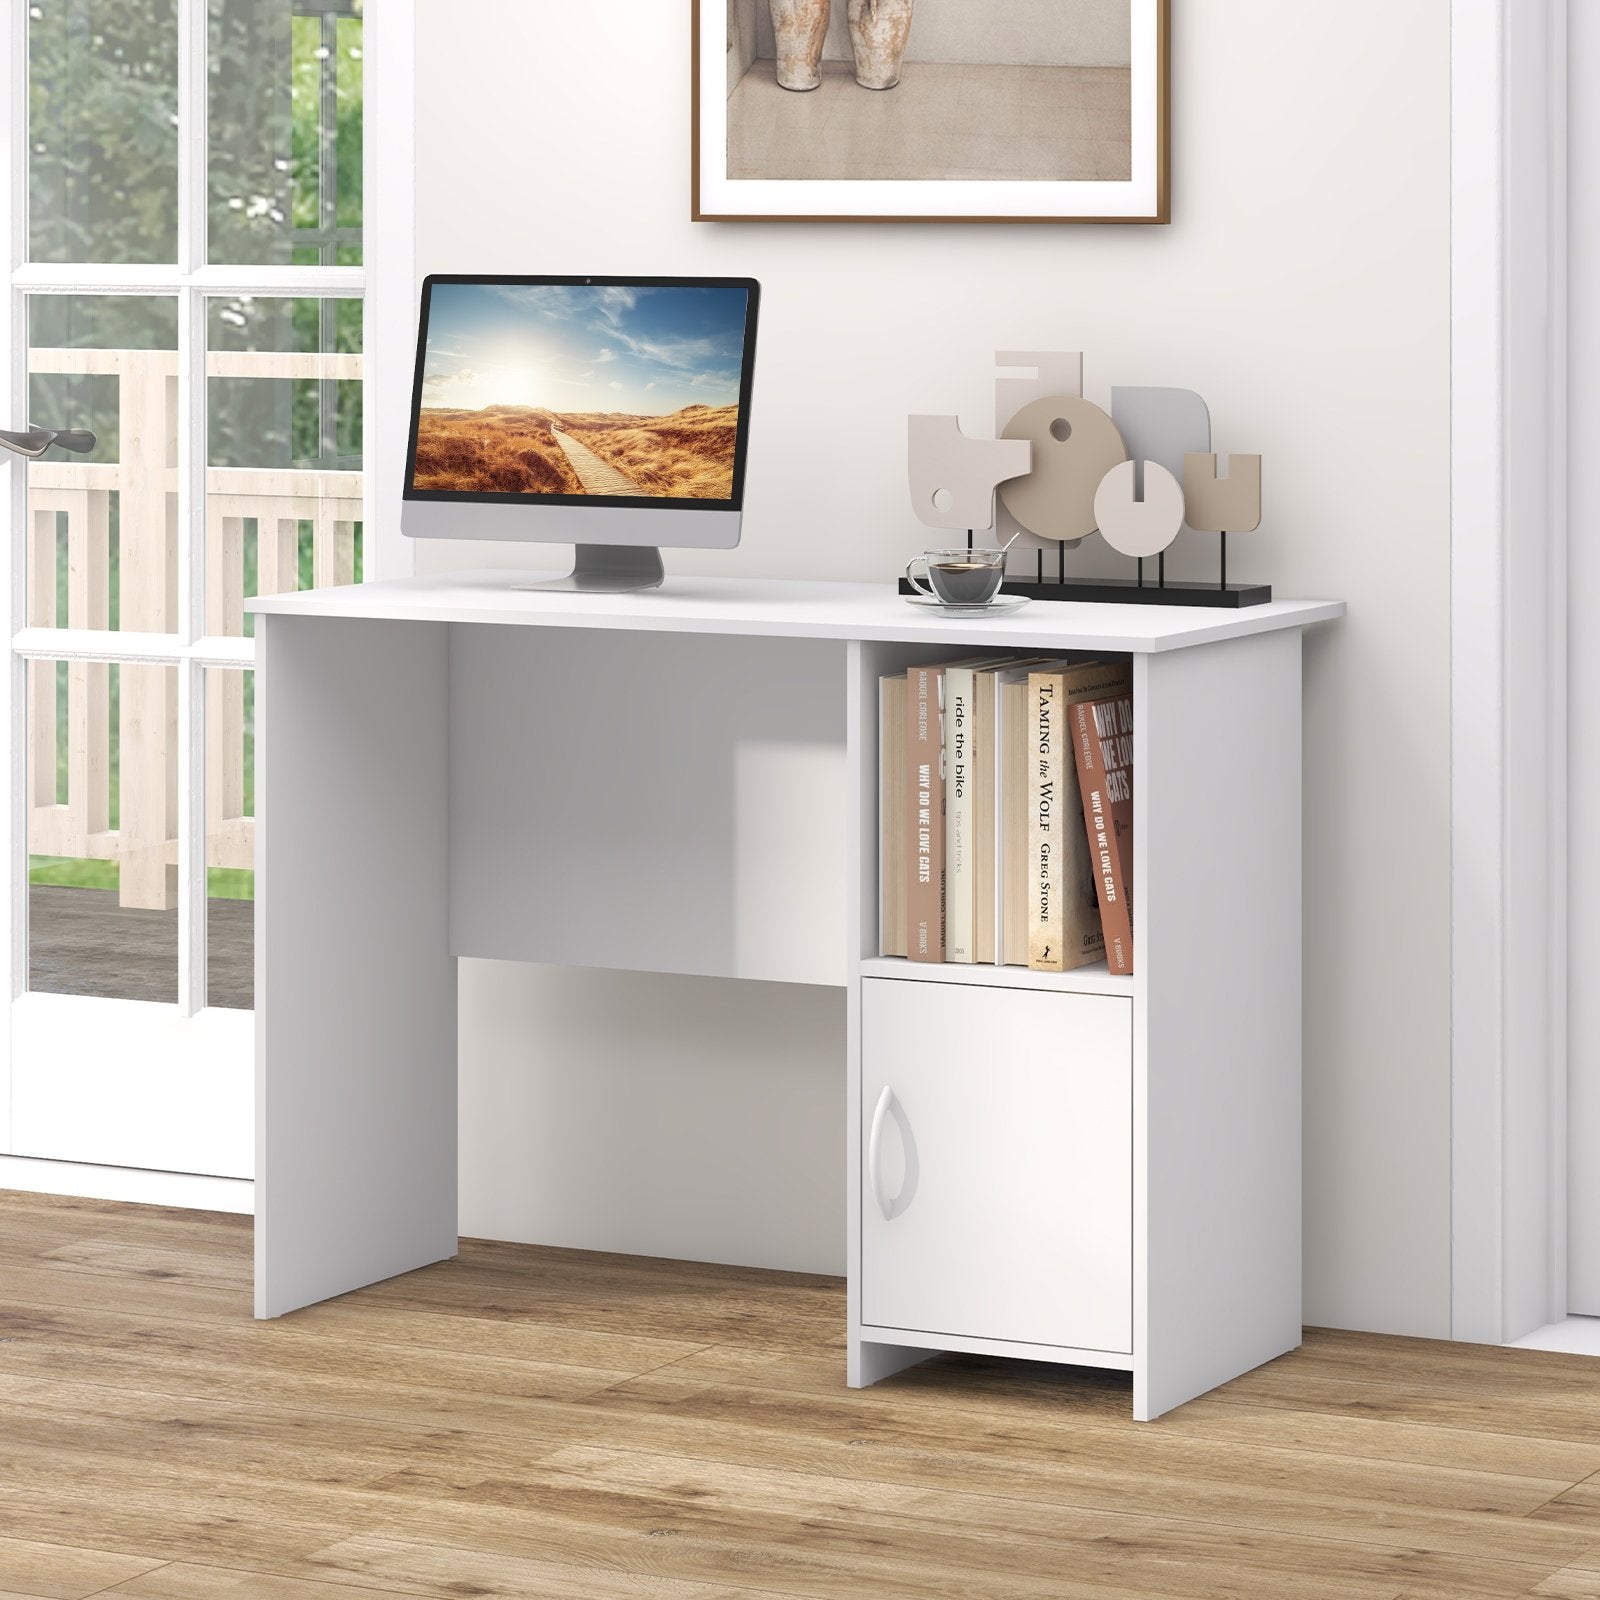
{"points": [[13, 515], [1508, 667], [390, 226], [390, 300]]}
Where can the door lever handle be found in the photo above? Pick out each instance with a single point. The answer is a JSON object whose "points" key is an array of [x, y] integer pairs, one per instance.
{"points": [[874, 1151], [35, 441]]}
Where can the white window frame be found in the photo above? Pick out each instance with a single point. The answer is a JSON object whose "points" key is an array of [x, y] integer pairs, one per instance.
{"points": [[386, 283]]}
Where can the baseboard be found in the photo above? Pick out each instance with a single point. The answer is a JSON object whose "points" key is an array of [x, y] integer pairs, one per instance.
{"points": [[187, 1190]]}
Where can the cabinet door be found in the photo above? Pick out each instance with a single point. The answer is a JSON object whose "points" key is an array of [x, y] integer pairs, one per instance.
{"points": [[997, 1163]]}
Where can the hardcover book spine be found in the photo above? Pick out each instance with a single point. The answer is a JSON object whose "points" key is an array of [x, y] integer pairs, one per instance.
{"points": [[1046, 932], [985, 805], [1063, 913], [1103, 747], [960, 771], [1011, 866], [892, 817], [925, 812], [1081, 907]]}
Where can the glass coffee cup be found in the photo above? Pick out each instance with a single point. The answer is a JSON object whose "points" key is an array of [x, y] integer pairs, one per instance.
{"points": [[958, 577]]}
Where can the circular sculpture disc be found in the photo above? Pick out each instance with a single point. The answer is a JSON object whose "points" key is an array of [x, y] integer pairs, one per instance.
{"points": [[1075, 444], [1139, 527]]}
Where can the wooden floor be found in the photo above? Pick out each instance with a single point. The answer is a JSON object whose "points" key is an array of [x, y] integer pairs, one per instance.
{"points": [[526, 1422]]}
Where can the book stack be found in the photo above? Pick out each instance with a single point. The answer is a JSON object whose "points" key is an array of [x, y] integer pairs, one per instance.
{"points": [[1006, 812]]}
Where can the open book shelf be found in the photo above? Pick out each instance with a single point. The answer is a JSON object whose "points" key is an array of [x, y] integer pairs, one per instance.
{"points": [[1004, 814]]}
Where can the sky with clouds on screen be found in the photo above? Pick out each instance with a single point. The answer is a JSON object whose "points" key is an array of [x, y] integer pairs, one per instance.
{"points": [[581, 347]]}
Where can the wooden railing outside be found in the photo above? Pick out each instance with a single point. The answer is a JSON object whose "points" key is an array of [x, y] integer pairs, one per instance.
{"points": [[145, 478]]}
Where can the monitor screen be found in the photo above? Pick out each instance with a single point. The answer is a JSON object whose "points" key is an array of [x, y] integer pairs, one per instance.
{"points": [[623, 392]]}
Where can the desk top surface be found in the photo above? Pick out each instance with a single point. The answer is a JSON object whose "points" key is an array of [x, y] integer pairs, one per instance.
{"points": [[790, 608]]}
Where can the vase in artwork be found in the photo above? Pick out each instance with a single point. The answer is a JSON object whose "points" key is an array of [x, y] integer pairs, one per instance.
{"points": [[878, 33], [799, 27]]}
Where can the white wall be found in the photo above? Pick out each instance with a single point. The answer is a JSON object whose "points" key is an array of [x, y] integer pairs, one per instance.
{"points": [[1014, 33], [666, 1116], [1302, 287]]}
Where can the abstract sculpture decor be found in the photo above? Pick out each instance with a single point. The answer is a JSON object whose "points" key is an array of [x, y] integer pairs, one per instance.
{"points": [[1163, 425], [953, 477], [1074, 446], [1139, 524], [1220, 505], [1137, 476], [1045, 372], [1223, 505]]}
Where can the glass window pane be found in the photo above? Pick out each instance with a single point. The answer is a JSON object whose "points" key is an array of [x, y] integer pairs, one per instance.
{"points": [[283, 505], [103, 829], [285, 135], [103, 130], [102, 527], [230, 837]]}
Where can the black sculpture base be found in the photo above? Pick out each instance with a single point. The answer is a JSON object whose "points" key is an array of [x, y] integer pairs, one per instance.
{"points": [[1130, 592]]}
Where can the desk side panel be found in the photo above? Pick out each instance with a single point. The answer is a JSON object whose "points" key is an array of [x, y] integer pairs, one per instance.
{"points": [[355, 984], [1217, 1014]]}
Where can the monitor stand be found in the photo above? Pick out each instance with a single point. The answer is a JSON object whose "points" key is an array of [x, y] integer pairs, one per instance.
{"points": [[607, 569]]}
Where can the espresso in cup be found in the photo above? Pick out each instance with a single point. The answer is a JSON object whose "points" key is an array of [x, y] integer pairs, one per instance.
{"points": [[964, 583], [959, 577]]}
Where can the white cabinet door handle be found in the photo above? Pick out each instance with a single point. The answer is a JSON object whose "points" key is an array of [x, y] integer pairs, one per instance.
{"points": [[874, 1153]]}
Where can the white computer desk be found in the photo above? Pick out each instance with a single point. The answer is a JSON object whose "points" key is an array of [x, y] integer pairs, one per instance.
{"points": [[686, 781]]}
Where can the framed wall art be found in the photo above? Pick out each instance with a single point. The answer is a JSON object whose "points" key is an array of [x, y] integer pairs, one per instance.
{"points": [[930, 111]]}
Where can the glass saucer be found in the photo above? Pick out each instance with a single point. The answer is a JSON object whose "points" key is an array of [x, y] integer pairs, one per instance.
{"points": [[1000, 604]]}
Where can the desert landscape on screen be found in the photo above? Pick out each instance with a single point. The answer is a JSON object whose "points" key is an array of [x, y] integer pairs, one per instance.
{"points": [[509, 449]]}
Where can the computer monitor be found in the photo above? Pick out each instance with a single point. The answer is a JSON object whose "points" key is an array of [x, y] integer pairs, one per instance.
{"points": [[608, 413]]}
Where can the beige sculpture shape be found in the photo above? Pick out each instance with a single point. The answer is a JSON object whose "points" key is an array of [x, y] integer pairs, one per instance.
{"points": [[1139, 527], [1050, 372], [1047, 372], [1075, 444], [952, 476], [1222, 505]]}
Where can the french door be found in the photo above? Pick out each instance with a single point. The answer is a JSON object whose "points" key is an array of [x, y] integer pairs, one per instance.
{"points": [[185, 247]]}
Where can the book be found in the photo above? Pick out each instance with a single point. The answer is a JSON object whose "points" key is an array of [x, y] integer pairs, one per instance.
{"points": [[1010, 767], [924, 806], [1011, 832], [1103, 751], [960, 768], [892, 815], [969, 809], [985, 808], [1064, 925]]}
